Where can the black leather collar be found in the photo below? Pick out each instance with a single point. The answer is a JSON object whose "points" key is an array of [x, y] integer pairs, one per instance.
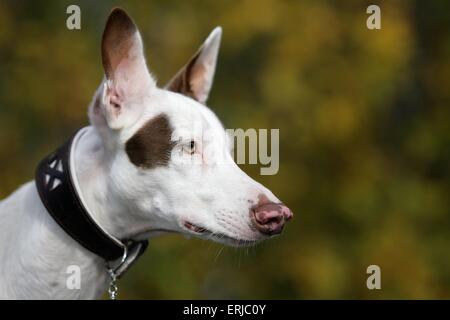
{"points": [[57, 188]]}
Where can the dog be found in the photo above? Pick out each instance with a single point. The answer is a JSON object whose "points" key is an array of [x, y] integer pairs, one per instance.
{"points": [[143, 170]]}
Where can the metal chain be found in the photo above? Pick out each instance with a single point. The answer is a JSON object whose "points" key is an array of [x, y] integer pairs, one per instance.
{"points": [[112, 290]]}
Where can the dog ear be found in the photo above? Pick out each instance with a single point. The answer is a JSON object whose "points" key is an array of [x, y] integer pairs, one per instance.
{"points": [[196, 77], [127, 76]]}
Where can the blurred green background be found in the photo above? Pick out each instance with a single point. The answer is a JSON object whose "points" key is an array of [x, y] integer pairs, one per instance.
{"points": [[364, 134]]}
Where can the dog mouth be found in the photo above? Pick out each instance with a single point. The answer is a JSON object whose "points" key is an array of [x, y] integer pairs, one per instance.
{"points": [[195, 228], [217, 236]]}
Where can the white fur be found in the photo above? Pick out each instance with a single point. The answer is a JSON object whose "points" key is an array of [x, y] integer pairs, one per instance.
{"points": [[206, 189]]}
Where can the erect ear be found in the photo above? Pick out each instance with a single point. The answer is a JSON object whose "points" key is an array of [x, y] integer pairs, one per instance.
{"points": [[196, 77], [125, 68]]}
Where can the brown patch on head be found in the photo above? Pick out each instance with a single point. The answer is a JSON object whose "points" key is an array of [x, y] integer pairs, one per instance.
{"points": [[151, 145], [181, 83]]}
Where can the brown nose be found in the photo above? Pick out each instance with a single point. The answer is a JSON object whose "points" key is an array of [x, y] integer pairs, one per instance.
{"points": [[270, 218]]}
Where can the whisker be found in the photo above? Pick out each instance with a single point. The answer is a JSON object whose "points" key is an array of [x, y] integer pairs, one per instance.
{"points": [[218, 254]]}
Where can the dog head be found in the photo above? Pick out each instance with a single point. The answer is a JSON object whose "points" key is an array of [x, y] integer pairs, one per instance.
{"points": [[168, 157]]}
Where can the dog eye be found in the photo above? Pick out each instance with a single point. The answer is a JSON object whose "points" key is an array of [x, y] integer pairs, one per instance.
{"points": [[190, 147]]}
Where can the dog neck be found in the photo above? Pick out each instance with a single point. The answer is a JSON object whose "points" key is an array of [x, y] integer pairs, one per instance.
{"points": [[91, 167], [110, 209], [49, 258]]}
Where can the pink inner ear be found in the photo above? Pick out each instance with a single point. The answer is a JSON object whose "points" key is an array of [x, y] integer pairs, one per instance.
{"points": [[115, 100], [126, 57], [119, 37], [200, 82], [123, 56], [131, 78], [196, 77]]}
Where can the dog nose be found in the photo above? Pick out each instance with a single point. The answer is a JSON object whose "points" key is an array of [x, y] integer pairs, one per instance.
{"points": [[270, 218]]}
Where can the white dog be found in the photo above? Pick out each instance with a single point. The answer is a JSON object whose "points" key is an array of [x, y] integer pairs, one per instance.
{"points": [[143, 169]]}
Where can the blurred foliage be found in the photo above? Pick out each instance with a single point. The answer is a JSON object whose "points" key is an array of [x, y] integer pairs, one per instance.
{"points": [[364, 129]]}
